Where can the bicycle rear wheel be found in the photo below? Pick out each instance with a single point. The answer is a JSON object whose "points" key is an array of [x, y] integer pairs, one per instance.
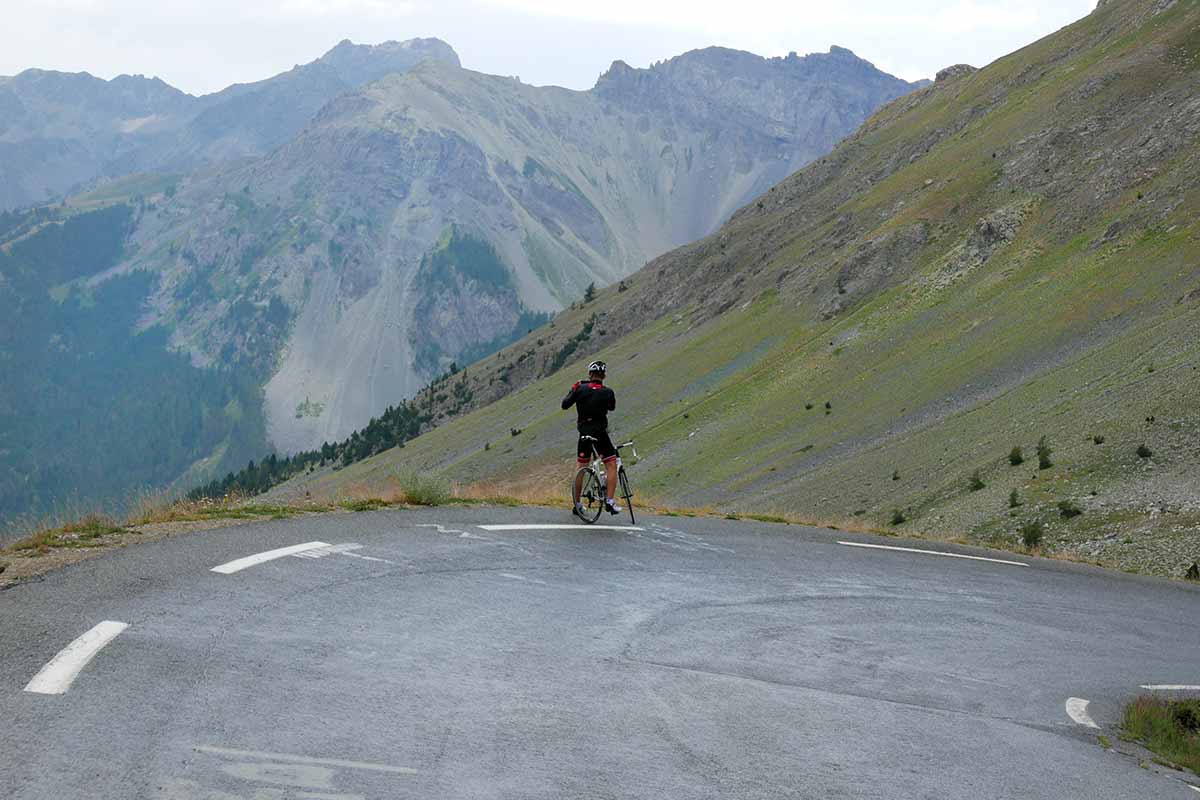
{"points": [[626, 493], [591, 494]]}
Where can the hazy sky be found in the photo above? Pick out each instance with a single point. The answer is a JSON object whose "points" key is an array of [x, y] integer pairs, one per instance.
{"points": [[204, 46]]}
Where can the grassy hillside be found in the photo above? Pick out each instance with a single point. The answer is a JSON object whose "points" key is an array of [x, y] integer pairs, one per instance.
{"points": [[1010, 254]]}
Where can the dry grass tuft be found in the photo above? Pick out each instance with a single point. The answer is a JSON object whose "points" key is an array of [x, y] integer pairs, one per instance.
{"points": [[88, 530]]}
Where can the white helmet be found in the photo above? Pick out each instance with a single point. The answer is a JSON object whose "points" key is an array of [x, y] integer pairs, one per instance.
{"points": [[598, 366]]}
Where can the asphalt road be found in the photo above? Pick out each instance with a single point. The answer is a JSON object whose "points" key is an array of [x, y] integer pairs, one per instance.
{"points": [[695, 658]]}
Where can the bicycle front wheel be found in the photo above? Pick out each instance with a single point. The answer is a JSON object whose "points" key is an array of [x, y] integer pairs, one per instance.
{"points": [[626, 493], [591, 494]]}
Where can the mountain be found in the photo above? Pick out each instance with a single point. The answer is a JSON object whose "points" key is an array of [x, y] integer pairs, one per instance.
{"points": [[60, 131], [1007, 258], [298, 255], [434, 215]]}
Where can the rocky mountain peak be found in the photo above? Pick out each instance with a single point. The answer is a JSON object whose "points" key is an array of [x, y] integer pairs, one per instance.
{"points": [[358, 64]]}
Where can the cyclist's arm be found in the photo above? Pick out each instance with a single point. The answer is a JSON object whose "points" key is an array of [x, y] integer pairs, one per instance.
{"points": [[569, 400], [612, 400]]}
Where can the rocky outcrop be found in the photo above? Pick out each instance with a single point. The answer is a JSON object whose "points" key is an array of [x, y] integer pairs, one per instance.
{"points": [[954, 72]]}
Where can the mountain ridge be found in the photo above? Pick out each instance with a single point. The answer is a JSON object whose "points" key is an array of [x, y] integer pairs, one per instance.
{"points": [[569, 188]]}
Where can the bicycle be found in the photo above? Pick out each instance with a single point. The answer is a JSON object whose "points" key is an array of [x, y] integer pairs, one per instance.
{"points": [[595, 482]]}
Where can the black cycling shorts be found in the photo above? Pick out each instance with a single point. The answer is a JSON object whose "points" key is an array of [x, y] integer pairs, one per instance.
{"points": [[603, 445]]}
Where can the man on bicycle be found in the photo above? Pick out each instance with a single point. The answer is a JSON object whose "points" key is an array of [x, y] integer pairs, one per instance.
{"points": [[593, 400]]}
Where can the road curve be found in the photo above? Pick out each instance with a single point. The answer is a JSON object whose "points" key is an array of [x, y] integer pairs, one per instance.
{"points": [[415, 654]]}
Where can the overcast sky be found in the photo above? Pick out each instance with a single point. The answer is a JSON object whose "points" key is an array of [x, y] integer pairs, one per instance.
{"points": [[204, 45]]}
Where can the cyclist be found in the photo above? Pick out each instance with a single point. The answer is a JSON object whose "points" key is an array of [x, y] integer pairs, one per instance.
{"points": [[593, 400]]}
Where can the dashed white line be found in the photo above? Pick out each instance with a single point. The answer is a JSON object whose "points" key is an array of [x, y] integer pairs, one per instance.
{"points": [[1077, 709], [513, 577], [933, 553], [1171, 687], [270, 555], [544, 527], [369, 558], [60, 672], [328, 762]]}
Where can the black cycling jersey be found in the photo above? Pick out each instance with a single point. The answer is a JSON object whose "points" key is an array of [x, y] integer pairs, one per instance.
{"points": [[592, 400]]}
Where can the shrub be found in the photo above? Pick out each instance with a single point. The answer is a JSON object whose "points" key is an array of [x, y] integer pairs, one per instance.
{"points": [[1031, 534], [976, 481], [1016, 457], [1043, 453], [1144, 452], [898, 517], [424, 489], [1098, 439], [1014, 499], [1068, 509], [895, 474]]}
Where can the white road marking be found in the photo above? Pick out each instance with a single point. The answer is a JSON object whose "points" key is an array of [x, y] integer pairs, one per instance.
{"points": [[1171, 687], [369, 558], [511, 576], [329, 550], [250, 561], [1197, 788], [537, 527], [1077, 709], [328, 762], [933, 553], [60, 672], [461, 534]]}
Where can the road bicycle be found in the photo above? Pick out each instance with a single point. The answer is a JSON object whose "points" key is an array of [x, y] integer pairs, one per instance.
{"points": [[595, 481]]}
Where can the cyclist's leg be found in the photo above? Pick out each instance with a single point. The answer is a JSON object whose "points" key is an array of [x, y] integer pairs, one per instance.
{"points": [[582, 457], [607, 452]]}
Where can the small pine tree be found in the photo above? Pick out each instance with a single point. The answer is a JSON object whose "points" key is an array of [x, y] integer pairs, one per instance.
{"points": [[1014, 499], [1144, 452], [589, 294], [1016, 457], [1069, 509], [976, 481], [895, 474], [1043, 453], [898, 517], [1031, 534]]}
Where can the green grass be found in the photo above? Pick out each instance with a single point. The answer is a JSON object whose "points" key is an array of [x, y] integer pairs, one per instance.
{"points": [[88, 531], [424, 489], [1168, 728], [369, 504], [767, 518]]}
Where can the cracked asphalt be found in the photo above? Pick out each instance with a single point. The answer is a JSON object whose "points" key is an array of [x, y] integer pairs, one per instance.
{"points": [[695, 658]]}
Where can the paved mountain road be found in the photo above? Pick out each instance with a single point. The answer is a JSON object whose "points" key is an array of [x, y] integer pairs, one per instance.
{"points": [[414, 654]]}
